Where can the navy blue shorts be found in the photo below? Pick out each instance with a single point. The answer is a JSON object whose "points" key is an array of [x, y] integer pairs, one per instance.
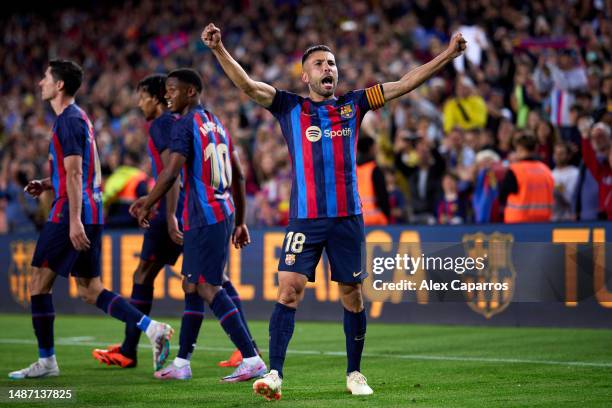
{"points": [[341, 237], [158, 246], [54, 250], [205, 252]]}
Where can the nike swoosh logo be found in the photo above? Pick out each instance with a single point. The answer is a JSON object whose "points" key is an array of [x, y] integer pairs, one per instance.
{"points": [[356, 274]]}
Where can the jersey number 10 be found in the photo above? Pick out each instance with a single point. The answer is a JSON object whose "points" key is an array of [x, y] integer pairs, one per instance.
{"points": [[220, 165]]}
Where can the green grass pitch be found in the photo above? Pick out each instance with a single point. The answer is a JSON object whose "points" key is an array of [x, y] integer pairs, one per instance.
{"points": [[406, 365]]}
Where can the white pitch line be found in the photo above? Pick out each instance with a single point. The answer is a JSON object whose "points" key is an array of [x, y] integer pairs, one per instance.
{"points": [[70, 342]]}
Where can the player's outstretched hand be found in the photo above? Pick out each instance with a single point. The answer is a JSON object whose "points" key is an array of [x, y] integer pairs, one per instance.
{"points": [[35, 188], [211, 36], [79, 239], [174, 231], [137, 205], [241, 236], [456, 46]]}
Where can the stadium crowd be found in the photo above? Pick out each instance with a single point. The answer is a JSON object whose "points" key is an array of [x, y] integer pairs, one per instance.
{"points": [[532, 71]]}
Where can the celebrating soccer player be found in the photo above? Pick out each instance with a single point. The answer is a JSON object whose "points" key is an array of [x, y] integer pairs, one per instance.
{"points": [[321, 131], [71, 240], [204, 148]]}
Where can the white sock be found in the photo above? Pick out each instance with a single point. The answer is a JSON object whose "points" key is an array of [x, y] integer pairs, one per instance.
{"points": [[251, 360], [151, 329], [180, 362], [48, 361]]}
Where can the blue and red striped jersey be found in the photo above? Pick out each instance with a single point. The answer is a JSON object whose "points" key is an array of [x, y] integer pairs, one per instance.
{"points": [[322, 142], [207, 175], [73, 134], [160, 133]]}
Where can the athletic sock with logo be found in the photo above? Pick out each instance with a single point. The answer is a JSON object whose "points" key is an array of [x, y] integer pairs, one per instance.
{"points": [[190, 325], [233, 294], [282, 324], [227, 313], [142, 299], [43, 316], [354, 330]]}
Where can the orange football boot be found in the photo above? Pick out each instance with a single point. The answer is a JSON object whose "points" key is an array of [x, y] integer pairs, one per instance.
{"points": [[234, 361], [112, 356]]}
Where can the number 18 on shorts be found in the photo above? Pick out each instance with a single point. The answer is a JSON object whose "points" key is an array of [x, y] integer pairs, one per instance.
{"points": [[342, 238]]}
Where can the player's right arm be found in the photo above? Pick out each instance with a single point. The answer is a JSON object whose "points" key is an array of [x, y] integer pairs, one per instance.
{"points": [[259, 92], [165, 181], [171, 203]]}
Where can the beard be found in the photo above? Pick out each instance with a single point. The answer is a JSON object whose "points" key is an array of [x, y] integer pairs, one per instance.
{"points": [[317, 88]]}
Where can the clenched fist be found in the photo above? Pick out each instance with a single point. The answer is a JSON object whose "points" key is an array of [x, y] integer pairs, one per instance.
{"points": [[211, 36]]}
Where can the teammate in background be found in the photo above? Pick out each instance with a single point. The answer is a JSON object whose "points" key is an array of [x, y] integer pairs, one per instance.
{"points": [[321, 133], [71, 240], [203, 147], [163, 241]]}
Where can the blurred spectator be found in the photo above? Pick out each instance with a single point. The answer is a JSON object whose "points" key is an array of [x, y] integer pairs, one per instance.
{"points": [[371, 184], [21, 209], [560, 75], [451, 209], [123, 187], [485, 197], [566, 177], [546, 135], [599, 136], [423, 167], [467, 109], [397, 200], [527, 188]]}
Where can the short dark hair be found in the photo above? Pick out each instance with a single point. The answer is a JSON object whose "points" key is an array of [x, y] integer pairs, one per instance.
{"points": [[188, 76], [314, 48], [527, 141], [69, 72], [154, 85]]}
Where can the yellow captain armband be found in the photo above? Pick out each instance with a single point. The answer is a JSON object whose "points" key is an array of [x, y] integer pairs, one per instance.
{"points": [[375, 96]]}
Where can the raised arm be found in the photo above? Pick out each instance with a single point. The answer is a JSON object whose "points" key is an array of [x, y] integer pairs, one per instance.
{"points": [[417, 76], [260, 92]]}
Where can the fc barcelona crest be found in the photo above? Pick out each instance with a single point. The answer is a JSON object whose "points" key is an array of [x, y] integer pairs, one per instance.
{"points": [[289, 259], [20, 271], [346, 111], [496, 248]]}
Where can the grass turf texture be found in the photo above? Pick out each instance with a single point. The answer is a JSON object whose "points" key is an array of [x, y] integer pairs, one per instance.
{"points": [[439, 366]]}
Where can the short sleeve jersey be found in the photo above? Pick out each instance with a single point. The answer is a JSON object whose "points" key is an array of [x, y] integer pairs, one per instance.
{"points": [[160, 133], [322, 142], [206, 144], [73, 134]]}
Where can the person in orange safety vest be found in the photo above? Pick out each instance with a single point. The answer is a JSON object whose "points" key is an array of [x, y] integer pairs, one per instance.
{"points": [[527, 190], [371, 184]]}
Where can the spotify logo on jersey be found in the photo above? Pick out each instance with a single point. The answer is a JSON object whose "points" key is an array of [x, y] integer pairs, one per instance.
{"points": [[313, 134]]}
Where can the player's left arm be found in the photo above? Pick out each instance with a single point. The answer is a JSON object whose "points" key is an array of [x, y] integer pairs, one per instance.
{"points": [[74, 188], [240, 236], [417, 76], [165, 181]]}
